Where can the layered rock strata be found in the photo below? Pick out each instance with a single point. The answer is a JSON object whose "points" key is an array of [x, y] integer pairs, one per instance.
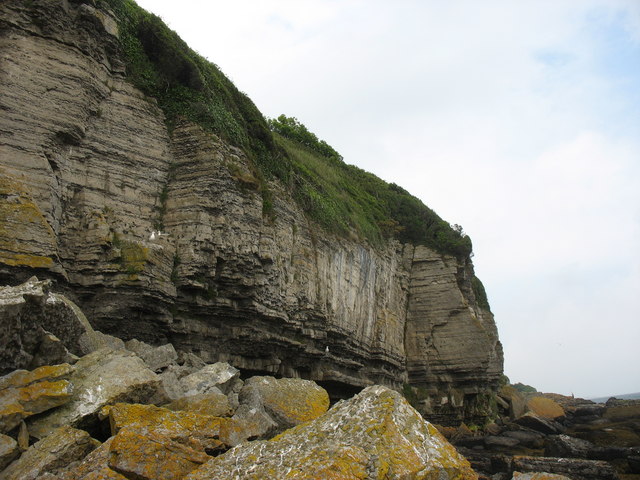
{"points": [[89, 170]]}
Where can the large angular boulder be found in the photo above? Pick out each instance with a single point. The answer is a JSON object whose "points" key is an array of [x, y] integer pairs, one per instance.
{"points": [[153, 456], [376, 434], [539, 424], [545, 408], [538, 476], [214, 404], [156, 358], [51, 455], [566, 446], [214, 377], [204, 432], [287, 401], [24, 393], [29, 313], [514, 399], [101, 378]]}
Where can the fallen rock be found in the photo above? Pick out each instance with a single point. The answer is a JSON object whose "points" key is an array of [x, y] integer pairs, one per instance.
{"points": [[566, 446], [24, 393], [152, 456], [288, 401], [29, 312], [100, 378], [94, 340], [515, 400], [156, 358], [500, 442], [545, 408], [95, 466], [221, 376], [376, 434], [51, 455], [51, 351], [527, 438], [8, 450], [213, 404], [577, 469], [539, 424], [203, 432]]}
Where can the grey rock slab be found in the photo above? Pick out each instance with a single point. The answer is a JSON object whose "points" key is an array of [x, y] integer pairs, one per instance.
{"points": [[574, 468], [101, 378], [156, 358], [218, 375]]}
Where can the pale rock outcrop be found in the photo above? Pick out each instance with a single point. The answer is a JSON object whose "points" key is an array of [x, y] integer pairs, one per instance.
{"points": [[374, 435]]}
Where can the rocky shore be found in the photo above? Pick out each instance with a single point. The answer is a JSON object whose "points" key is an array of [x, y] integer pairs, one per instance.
{"points": [[87, 405]]}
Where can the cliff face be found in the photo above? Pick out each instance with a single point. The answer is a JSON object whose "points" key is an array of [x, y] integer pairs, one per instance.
{"points": [[88, 170]]}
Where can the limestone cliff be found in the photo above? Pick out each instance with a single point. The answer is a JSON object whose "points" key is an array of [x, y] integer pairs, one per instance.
{"points": [[89, 169]]}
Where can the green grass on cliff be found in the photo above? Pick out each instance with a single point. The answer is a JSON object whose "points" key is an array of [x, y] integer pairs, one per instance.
{"points": [[341, 198]]}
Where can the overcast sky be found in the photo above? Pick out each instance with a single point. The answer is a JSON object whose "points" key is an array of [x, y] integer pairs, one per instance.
{"points": [[519, 120]]}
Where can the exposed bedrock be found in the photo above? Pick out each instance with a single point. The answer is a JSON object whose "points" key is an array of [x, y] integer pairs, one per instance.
{"points": [[88, 170]]}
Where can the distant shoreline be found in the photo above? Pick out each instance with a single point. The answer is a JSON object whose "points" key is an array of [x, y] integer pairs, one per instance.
{"points": [[626, 396]]}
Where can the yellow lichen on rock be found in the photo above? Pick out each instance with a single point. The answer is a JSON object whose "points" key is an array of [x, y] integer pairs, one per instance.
{"points": [[26, 238], [545, 407]]}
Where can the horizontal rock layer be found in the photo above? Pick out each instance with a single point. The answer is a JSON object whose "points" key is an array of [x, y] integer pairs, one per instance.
{"points": [[88, 170]]}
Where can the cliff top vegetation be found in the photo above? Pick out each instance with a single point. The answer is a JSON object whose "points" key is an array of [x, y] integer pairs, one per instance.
{"points": [[341, 198]]}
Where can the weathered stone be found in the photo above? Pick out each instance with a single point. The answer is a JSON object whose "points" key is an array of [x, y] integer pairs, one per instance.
{"points": [[95, 340], [100, 378], [51, 351], [538, 476], [213, 404], [93, 467], [220, 376], [376, 434], [24, 393], [288, 401], [634, 463], [8, 451], [29, 314], [23, 437], [51, 454], [539, 424], [566, 446], [207, 432], [545, 408], [156, 358], [152, 456], [576, 469], [517, 403]]}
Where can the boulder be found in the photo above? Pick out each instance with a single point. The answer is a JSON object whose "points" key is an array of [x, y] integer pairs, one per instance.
{"points": [[545, 408], [539, 424], [213, 404], [29, 313], [100, 378], [203, 432], [24, 393], [566, 446], [8, 450], [517, 403], [500, 442], [51, 351], [574, 468], [376, 434], [51, 455], [288, 401], [152, 456], [156, 358], [221, 376], [527, 438]]}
